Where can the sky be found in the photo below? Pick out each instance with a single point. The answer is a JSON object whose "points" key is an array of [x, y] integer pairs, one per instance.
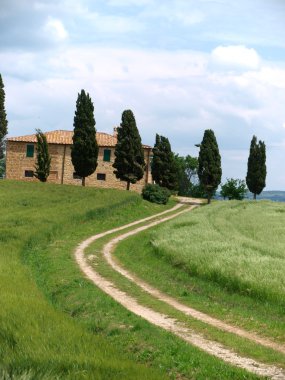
{"points": [[181, 66]]}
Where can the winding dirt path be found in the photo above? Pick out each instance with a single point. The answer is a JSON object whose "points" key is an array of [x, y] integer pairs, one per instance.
{"points": [[163, 320]]}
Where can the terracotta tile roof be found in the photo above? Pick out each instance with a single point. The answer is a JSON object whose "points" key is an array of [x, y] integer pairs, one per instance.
{"points": [[65, 138]]}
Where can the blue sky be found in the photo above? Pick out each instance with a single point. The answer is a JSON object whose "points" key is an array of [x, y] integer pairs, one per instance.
{"points": [[181, 66]]}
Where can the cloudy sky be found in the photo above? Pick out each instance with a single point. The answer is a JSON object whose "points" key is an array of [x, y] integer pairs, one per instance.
{"points": [[182, 66]]}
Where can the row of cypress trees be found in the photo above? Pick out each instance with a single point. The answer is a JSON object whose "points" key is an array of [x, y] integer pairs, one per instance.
{"points": [[210, 171], [129, 161]]}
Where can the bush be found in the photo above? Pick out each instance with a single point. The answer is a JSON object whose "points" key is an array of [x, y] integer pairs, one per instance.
{"points": [[234, 189], [156, 194]]}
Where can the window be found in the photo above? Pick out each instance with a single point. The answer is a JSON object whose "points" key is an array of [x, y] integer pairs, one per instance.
{"points": [[30, 150], [76, 176], [29, 173], [107, 155], [101, 177]]}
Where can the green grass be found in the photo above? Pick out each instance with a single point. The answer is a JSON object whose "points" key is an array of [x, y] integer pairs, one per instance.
{"points": [[205, 259], [239, 246], [37, 339], [55, 324]]}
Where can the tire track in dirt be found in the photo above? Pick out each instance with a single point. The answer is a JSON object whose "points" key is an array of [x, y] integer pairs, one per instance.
{"points": [[162, 320]]}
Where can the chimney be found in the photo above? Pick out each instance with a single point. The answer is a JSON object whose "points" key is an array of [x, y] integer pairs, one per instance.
{"points": [[115, 131]]}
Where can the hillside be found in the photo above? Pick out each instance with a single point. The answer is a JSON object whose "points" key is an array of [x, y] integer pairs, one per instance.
{"points": [[55, 324], [40, 226]]}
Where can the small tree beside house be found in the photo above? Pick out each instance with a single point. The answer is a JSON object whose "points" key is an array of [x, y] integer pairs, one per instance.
{"points": [[129, 161], [209, 164], [84, 151], [43, 158], [256, 167]]}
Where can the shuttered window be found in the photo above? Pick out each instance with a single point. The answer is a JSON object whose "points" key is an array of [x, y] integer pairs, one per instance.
{"points": [[30, 150], [107, 155]]}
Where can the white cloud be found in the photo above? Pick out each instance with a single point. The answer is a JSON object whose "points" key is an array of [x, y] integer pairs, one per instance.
{"points": [[271, 76], [173, 93], [55, 28], [236, 56]]}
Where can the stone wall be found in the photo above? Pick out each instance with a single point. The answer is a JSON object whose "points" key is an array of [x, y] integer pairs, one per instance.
{"points": [[62, 169]]}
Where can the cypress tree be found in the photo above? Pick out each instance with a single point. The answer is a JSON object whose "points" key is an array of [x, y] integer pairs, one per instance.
{"points": [[3, 118], [129, 155], [84, 151], [164, 169], [43, 158], [209, 164], [256, 167]]}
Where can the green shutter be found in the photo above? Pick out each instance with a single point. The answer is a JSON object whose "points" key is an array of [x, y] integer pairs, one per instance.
{"points": [[30, 150], [107, 155]]}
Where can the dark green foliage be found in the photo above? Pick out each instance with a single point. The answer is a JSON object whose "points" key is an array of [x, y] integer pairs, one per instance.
{"points": [[2, 167], [3, 119], [188, 181], [209, 168], [84, 152], [256, 167], [43, 158], [164, 167], [155, 194], [234, 189], [129, 155]]}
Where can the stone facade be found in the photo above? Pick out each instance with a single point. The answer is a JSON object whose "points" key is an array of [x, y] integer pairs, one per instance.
{"points": [[20, 167]]}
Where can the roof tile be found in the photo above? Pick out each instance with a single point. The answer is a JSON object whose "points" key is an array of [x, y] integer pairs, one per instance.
{"points": [[65, 138]]}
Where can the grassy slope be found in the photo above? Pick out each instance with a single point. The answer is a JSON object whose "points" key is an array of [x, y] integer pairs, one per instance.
{"points": [[75, 331], [165, 256], [36, 339]]}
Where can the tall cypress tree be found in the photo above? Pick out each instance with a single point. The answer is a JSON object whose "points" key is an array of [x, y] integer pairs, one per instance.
{"points": [[3, 118], [256, 167], [129, 155], [43, 158], [209, 164], [164, 168], [84, 151]]}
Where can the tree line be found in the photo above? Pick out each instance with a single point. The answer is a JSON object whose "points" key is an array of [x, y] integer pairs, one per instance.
{"points": [[190, 176]]}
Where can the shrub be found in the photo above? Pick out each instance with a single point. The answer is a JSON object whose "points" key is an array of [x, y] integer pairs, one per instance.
{"points": [[234, 189], [155, 194]]}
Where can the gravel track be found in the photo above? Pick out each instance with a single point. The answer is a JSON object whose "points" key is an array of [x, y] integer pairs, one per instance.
{"points": [[162, 320]]}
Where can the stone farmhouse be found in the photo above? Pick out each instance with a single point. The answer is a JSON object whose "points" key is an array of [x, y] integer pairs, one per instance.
{"points": [[21, 158]]}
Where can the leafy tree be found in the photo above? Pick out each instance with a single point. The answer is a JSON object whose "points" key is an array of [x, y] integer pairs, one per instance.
{"points": [[209, 168], [84, 152], [129, 155], [43, 158], [164, 167], [3, 118], [256, 167], [234, 189], [187, 174]]}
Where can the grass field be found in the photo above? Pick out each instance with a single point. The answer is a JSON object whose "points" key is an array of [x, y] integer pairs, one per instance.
{"points": [[54, 324], [239, 246], [37, 339], [226, 259]]}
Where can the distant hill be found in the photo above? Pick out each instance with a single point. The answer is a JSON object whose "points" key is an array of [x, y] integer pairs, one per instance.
{"points": [[276, 196]]}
